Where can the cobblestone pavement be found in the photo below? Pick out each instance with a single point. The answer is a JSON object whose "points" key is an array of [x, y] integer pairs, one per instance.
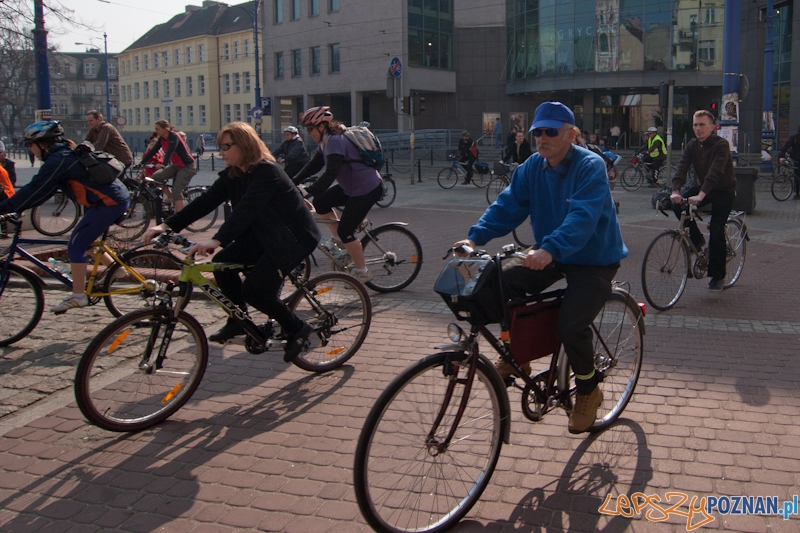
{"points": [[263, 445]]}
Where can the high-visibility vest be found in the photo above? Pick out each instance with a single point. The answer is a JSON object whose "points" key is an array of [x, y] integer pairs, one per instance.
{"points": [[650, 146]]}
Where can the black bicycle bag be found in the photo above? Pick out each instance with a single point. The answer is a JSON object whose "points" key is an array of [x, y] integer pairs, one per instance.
{"points": [[470, 288]]}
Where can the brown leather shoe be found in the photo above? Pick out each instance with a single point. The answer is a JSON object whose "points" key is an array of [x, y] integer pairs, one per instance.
{"points": [[585, 411], [506, 369]]}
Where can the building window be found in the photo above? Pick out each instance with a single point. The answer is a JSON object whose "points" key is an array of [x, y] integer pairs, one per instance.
{"points": [[122, 68], [295, 9], [136, 63], [168, 114], [128, 65], [129, 92], [146, 115], [278, 12], [64, 109], [202, 114], [82, 89], [166, 87], [247, 82], [201, 84], [165, 57], [177, 56], [112, 69], [707, 50], [189, 87], [313, 8], [146, 88], [236, 49], [226, 51], [247, 48], [135, 90], [314, 53], [138, 116], [98, 89], [155, 59], [177, 87], [201, 52], [227, 113], [334, 49], [188, 55], [279, 64], [226, 83], [155, 89], [156, 114], [711, 16], [179, 115], [237, 112], [146, 61], [237, 85], [333, 5], [112, 90], [190, 114], [123, 96], [90, 69], [114, 111], [62, 89], [297, 64]]}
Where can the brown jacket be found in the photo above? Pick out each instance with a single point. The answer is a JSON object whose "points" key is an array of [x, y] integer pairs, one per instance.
{"points": [[105, 137], [712, 162]]}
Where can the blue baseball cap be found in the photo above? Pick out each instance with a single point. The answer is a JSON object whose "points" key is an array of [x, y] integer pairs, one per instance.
{"points": [[552, 115]]}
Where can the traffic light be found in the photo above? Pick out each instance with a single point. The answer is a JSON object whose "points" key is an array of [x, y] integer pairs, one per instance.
{"points": [[714, 108], [663, 96], [419, 104]]}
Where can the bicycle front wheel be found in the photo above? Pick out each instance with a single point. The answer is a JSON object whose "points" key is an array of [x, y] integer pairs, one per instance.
{"points": [[136, 221], [56, 216], [618, 352], [496, 186], [782, 186], [126, 293], [481, 180], [632, 178], [736, 243], [205, 222], [523, 235], [22, 300], [406, 476], [394, 256], [124, 383], [389, 193], [339, 309], [447, 178], [665, 270]]}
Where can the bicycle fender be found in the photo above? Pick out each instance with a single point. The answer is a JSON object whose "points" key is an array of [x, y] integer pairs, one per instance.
{"points": [[625, 294]]}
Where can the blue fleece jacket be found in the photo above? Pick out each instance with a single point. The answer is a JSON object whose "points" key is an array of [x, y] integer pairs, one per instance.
{"points": [[571, 209]]}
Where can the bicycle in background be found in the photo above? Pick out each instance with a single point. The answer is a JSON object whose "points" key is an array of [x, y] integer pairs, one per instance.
{"points": [[784, 184], [389, 191], [457, 172], [634, 176]]}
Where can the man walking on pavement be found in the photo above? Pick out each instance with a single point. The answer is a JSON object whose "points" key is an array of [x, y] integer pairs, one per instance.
{"points": [[498, 133], [106, 138], [710, 156]]}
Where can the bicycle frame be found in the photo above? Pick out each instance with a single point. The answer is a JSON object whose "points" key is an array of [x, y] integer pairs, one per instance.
{"points": [[362, 228]]}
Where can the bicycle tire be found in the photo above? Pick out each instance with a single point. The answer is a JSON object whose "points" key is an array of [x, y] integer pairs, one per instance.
{"points": [[395, 267], [495, 187], [155, 266], [205, 222], [480, 180], [447, 178], [57, 220], [736, 244], [523, 234], [389, 193], [782, 186], [401, 485], [137, 220], [113, 389], [22, 299], [632, 178], [618, 353], [665, 269], [340, 312]]}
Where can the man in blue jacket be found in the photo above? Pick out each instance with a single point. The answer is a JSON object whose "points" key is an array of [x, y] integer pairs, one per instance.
{"points": [[564, 189]]}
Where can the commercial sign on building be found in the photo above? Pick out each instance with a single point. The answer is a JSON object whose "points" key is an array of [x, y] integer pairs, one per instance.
{"points": [[166, 101]]}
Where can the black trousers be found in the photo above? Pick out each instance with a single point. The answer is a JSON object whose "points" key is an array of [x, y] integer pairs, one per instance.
{"points": [[262, 282], [588, 289], [721, 205], [355, 208], [470, 161]]}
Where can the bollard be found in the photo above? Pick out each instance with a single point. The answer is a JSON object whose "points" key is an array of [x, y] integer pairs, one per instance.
{"points": [[387, 166], [419, 171], [431, 156], [212, 162], [393, 156]]}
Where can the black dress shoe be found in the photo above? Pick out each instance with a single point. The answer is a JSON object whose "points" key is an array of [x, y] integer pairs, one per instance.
{"points": [[228, 331], [295, 342]]}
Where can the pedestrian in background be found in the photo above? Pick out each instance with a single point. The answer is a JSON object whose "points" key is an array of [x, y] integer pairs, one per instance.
{"points": [[615, 133], [498, 133], [792, 147], [201, 145]]}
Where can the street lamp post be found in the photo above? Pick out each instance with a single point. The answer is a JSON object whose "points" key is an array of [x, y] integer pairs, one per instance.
{"points": [[254, 16], [105, 66]]}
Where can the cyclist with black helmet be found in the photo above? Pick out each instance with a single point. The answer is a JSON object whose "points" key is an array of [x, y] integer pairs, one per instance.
{"points": [[359, 186], [60, 170], [292, 151]]}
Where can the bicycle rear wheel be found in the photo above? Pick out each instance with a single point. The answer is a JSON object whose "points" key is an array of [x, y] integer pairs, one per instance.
{"points": [[618, 351], [394, 256], [137, 220], [665, 269], [155, 266], [496, 186], [389, 193], [481, 180], [448, 178], [632, 178], [124, 384], [56, 216], [22, 300], [203, 223], [340, 311], [403, 480], [736, 243], [782, 185], [523, 235]]}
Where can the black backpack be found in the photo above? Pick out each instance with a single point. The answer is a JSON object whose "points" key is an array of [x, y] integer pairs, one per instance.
{"points": [[103, 167]]}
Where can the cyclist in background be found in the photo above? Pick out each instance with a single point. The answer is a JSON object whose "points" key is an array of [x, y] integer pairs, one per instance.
{"points": [[466, 155], [518, 152], [180, 165], [792, 146], [269, 227], [359, 186], [292, 151], [655, 152], [60, 170]]}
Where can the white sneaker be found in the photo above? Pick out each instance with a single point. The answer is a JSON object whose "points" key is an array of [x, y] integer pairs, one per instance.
{"points": [[363, 277], [70, 302]]}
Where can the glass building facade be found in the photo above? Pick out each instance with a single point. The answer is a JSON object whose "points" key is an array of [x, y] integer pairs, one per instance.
{"points": [[430, 33], [546, 37], [782, 43]]}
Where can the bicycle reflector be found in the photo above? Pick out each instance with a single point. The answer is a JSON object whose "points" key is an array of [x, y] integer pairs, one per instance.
{"points": [[171, 394], [118, 340], [643, 307]]}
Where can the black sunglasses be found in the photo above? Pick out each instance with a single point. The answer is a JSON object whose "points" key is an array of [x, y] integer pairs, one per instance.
{"points": [[550, 132]]}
